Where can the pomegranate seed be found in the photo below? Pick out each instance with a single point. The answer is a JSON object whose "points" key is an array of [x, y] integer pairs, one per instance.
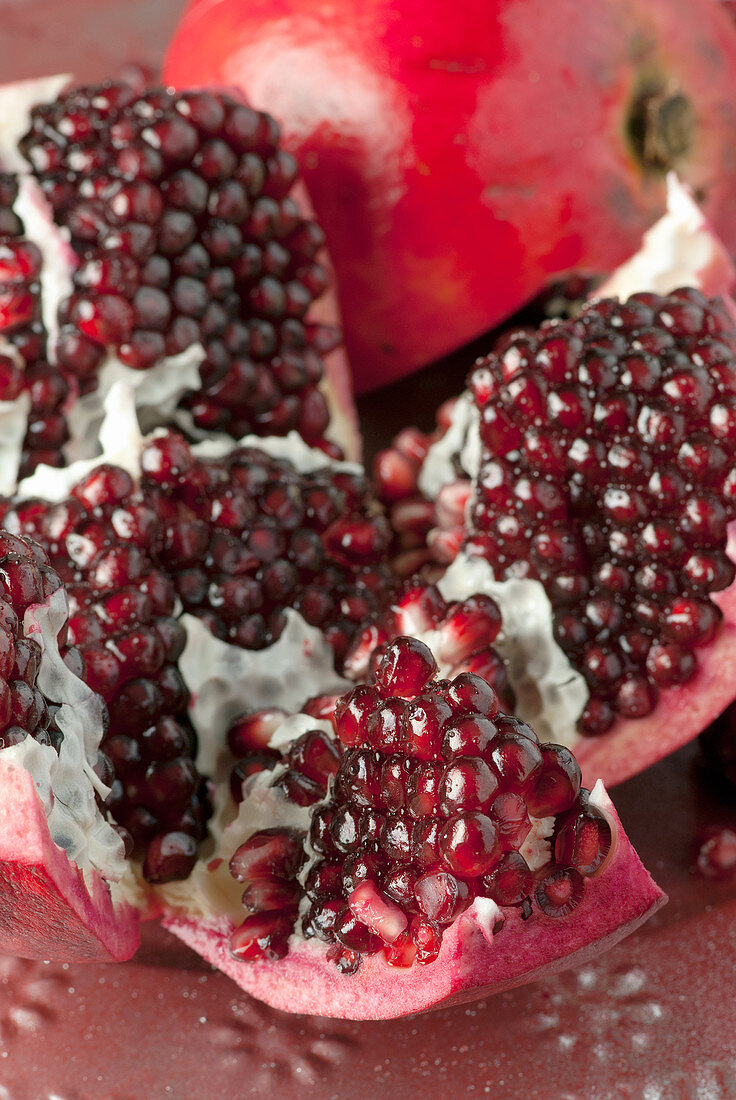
{"points": [[559, 891], [584, 841], [263, 936], [405, 669]]}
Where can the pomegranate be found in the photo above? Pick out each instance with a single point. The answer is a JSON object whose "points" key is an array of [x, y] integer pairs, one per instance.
{"points": [[418, 848], [61, 860], [437, 823], [559, 468], [164, 238], [458, 166]]}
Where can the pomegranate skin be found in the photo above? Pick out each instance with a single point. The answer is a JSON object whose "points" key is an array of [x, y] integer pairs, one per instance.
{"points": [[47, 909], [457, 165], [472, 962]]}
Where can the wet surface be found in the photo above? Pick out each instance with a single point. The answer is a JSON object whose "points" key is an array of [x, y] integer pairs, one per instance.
{"points": [[654, 1019]]}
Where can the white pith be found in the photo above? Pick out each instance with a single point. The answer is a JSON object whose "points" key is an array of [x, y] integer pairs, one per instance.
{"points": [[679, 250], [65, 782], [458, 447], [550, 694], [227, 681]]}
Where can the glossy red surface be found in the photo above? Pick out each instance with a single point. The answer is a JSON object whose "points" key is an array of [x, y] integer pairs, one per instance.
{"points": [[461, 155], [654, 1019]]}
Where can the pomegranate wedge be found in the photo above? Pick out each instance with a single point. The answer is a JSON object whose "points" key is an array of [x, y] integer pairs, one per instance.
{"points": [[418, 848], [600, 458], [164, 238], [60, 859]]}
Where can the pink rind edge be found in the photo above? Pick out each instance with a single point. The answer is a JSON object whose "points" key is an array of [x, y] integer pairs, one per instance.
{"points": [[67, 916], [616, 902]]}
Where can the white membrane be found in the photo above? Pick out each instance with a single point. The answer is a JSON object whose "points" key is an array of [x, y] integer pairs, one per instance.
{"points": [[459, 445], [66, 783], [550, 694]]}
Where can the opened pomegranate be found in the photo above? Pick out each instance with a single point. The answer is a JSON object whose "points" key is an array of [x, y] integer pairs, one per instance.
{"points": [[60, 858], [431, 809], [164, 238], [458, 165], [594, 457], [419, 847]]}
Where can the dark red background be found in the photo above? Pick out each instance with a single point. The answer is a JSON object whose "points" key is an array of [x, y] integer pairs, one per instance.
{"points": [[655, 1019]]}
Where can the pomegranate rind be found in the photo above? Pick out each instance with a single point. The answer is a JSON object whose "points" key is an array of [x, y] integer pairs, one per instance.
{"points": [[48, 908], [472, 962]]}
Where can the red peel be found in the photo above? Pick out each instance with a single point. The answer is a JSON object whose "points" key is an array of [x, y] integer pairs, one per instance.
{"points": [[430, 145], [48, 909]]}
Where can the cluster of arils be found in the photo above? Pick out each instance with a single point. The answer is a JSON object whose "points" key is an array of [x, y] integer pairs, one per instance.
{"points": [[438, 799], [26, 579], [248, 535], [608, 473], [126, 644], [237, 540], [183, 231]]}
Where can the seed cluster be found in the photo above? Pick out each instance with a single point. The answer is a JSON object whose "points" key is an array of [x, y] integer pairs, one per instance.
{"points": [[236, 540], [248, 535], [434, 797], [608, 473], [184, 230], [128, 643], [26, 578]]}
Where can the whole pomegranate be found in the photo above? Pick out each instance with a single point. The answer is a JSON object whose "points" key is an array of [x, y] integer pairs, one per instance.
{"points": [[458, 164]]}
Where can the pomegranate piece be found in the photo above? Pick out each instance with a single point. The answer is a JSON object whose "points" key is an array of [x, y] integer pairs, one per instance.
{"points": [[58, 852], [627, 529], [146, 225], [405, 855], [121, 625]]}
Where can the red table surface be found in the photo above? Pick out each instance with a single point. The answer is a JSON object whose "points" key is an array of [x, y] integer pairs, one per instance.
{"points": [[654, 1019]]}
